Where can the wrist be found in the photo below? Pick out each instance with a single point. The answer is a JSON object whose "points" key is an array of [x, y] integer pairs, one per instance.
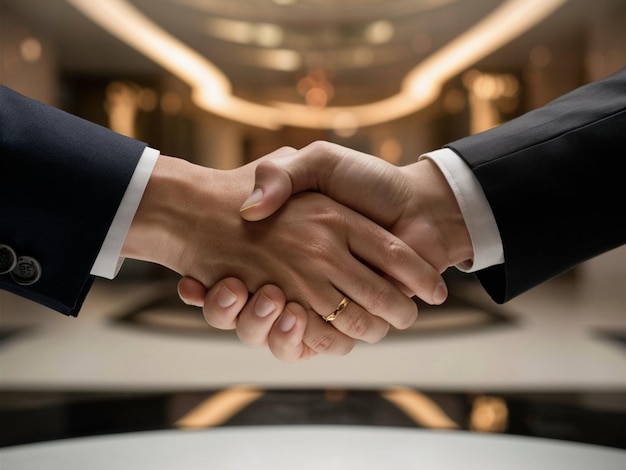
{"points": [[436, 202], [159, 230]]}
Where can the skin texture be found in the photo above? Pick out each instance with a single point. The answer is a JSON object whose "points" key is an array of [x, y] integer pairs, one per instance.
{"points": [[414, 202], [313, 248]]}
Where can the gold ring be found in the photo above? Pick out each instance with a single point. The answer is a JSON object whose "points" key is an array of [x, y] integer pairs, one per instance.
{"points": [[340, 308]]}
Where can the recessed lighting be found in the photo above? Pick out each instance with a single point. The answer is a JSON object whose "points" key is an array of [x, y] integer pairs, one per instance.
{"points": [[212, 90]]}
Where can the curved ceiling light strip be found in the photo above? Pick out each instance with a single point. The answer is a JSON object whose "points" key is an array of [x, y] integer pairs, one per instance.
{"points": [[212, 90]]}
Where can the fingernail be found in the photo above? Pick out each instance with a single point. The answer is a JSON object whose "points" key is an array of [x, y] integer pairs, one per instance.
{"points": [[255, 198], [225, 297], [286, 322], [440, 294], [264, 306]]}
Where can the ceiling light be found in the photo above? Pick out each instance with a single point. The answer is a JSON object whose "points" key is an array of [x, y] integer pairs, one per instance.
{"points": [[379, 32], [212, 90], [268, 35], [278, 59]]}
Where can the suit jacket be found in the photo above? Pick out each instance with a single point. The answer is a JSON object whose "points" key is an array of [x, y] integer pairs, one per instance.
{"points": [[61, 181], [555, 179]]}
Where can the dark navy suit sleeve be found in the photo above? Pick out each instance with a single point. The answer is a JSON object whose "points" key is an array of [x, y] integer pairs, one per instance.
{"points": [[555, 180], [61, 181]]}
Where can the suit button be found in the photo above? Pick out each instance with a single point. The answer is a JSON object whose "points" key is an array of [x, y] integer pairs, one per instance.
{"points": [[8, 259], [27, 271]]}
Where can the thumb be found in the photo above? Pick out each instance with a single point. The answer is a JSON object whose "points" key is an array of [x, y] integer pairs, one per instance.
{"points": [[272, 188]]}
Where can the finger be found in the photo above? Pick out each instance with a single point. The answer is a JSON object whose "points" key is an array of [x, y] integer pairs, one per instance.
{"points": [[272, 187], [340, 173], [191, 291], [223, 302], [286, 338], [259, 315], [374, 300], [357, 322], [397, 260], [322, 338]]}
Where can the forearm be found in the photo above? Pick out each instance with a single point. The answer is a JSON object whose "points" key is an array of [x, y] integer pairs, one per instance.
{"points": [[553, 178], [64, 178], [167, 214]]}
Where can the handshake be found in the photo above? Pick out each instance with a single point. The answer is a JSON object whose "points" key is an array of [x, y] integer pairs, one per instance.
{"points": [[333, 243]]}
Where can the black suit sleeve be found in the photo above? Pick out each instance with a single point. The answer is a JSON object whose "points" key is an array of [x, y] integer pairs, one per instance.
{"points": [[61, 181], [555, 180]]}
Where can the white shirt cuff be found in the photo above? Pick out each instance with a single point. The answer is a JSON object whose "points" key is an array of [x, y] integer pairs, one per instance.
{"points": [[109, 262], [475, 208]]}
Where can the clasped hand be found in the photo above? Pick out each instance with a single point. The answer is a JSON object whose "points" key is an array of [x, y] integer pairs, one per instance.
{"points": [[322, 223]]}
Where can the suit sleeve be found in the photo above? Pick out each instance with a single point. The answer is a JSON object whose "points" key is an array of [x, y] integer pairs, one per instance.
{"points": [[61, 181], [554, 179]]}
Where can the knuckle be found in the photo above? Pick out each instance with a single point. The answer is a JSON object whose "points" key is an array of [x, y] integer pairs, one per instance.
{"points": [[380, 299], [319, 250], [358, 326], [322, 343], [396, 254], [319, 146]]}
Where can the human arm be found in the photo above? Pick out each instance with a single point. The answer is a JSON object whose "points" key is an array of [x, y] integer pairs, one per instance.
{"points": [[63, 180], [552, 177], [83, 169], [554, 181]]}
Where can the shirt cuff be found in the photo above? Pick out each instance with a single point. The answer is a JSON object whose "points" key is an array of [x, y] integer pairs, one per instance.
{"points": [[481, 224], [109, 261]]}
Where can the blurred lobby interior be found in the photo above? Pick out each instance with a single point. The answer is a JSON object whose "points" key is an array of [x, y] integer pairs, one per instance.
{"points": [[223, 82]]}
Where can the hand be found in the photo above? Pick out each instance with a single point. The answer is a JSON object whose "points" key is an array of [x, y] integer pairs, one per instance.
{"points": [[316, 250], [415, 202]]}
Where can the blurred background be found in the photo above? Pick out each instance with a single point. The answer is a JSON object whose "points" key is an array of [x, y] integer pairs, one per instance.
{"points": [[222, 82]]}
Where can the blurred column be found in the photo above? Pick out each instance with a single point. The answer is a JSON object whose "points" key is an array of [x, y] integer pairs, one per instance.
{"points": [[218, 143]]}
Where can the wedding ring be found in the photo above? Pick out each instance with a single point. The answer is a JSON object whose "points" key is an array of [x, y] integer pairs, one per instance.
{"points": [[340, 308]]}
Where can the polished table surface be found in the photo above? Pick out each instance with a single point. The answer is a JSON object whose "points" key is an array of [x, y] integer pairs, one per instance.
{"points": [[310, 447]]}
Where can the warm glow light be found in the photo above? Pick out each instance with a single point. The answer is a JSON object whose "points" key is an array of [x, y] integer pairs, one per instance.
{"points": [[419, 408], [379, 32], [391, 150], [263, 34], [219, 408], [489, 414], [212, 91], [31, 50]]}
